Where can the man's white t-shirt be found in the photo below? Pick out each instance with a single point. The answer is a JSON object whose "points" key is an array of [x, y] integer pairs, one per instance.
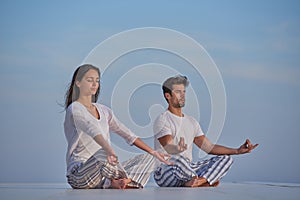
{"points": [[169, 124], [81, 127]]}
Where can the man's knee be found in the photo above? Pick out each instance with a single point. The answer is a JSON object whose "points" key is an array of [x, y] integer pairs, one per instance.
{"points": [[228, 159], [167, 176]]}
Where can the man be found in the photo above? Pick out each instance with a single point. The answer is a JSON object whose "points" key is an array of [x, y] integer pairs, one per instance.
{"points": [[175, 133]]}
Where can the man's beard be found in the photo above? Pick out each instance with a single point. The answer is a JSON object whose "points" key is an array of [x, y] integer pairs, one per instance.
{"points": [[178, 105]]}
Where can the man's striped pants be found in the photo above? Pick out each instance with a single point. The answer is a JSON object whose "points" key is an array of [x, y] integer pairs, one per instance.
{"points": [[183, 170]]}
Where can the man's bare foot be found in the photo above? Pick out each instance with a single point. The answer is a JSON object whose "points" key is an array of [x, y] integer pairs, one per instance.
{"points": [[195, 182], [120, 183], [131, 187], [208, 185]]}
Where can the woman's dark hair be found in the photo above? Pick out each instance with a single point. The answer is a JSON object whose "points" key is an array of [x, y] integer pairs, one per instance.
{"points": [[167, 86], [72, 93]]}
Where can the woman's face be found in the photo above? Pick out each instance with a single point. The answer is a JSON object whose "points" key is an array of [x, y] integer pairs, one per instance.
{"points": [[89, 84]]}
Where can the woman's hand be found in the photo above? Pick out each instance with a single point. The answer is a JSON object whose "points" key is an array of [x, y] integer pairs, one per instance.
{"points": [[111, 156], [112, 159], [162, 157]]}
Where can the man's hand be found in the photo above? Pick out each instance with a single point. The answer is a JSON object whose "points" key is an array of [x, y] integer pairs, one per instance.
{"points": [[182, 146], [247, 147], [176, 148]]}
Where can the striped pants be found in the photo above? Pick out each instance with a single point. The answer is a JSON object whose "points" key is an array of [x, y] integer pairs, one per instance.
{"points": [[183, 170], [95, 172]]}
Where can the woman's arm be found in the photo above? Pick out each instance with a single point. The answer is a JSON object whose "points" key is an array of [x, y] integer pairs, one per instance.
{"points": [[116, 126], [111, 156], [160, 156]]}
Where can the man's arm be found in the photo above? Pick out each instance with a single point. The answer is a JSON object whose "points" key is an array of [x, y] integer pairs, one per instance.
{"points": [[167, 142], [203, 143]]}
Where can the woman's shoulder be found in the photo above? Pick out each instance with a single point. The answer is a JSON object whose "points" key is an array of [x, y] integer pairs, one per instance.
{"points": [[75, 107], [104, 109]]}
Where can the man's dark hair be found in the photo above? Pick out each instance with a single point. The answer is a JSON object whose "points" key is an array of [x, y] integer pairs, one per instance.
{"points": [[167, 86]]}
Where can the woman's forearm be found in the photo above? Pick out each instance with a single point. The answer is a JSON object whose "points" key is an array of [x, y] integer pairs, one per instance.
{"points": [[104, 144], [142, 145]]}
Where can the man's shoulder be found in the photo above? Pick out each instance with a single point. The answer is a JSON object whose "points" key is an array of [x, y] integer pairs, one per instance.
{"points": [[161, 120], [191, 118], [162, 115]]}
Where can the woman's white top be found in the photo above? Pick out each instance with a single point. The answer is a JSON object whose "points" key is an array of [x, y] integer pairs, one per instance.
{"points": [[81, 127]]}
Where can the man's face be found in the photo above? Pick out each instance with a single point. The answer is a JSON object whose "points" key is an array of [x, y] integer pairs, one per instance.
{"points": [[177, 99]]}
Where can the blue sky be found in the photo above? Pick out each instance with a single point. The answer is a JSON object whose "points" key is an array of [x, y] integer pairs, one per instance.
{"points": [[255, 44]]}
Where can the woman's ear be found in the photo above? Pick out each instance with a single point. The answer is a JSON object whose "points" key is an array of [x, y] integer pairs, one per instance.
{"points": [[77, 83]]}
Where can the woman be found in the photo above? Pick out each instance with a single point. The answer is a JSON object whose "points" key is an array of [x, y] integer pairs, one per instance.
{"points": [[91, 161]]}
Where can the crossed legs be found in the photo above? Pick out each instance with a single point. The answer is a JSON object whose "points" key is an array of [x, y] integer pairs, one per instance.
{"points": [[186, 174], [97, 173]]}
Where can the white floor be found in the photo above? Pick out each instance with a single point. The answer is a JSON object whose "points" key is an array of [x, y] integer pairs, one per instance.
{"points": [[223, 191]]}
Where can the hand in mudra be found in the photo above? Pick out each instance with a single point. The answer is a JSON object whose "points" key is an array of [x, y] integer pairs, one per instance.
{"points": [[112, 159], [182, 146], [247, 147]]}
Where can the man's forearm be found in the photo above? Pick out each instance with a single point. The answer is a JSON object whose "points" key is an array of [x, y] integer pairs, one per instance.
{"points": [[221, 150]]}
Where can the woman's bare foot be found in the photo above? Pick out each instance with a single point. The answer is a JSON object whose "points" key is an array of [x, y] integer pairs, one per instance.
{"points": [[195, 182], [116, 184], [120, 183]]}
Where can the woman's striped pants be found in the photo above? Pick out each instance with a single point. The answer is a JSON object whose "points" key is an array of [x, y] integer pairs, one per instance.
{"points": [[95, 172]]}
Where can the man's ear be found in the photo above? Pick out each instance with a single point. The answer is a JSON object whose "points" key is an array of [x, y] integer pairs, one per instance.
{"points": [[167, 96]]}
